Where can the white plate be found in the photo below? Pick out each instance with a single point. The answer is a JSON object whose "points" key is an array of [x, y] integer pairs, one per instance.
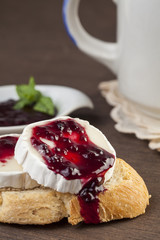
{"points": [[65, 99]]}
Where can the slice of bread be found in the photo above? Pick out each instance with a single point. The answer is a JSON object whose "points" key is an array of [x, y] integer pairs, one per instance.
{"points": [[126, 197]]}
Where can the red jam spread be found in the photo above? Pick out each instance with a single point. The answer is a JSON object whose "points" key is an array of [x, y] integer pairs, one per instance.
{"points": [[11, 117], [7, 145], [75, 156]]}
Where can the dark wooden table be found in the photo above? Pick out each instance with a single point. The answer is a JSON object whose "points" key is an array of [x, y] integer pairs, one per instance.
{"points": [[33, 41]]}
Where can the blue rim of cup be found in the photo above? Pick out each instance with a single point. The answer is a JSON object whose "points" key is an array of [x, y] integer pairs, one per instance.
{"points": [[64, 16]]}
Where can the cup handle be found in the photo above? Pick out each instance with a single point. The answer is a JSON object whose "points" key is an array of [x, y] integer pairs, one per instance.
{"points": [[104, 52]]}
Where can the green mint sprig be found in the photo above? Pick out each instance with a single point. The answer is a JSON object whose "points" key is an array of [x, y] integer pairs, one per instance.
{"points": [[29, 96]]}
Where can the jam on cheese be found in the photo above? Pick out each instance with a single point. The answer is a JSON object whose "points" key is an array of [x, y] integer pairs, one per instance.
{"points": [[7, 145], [74, 156]]}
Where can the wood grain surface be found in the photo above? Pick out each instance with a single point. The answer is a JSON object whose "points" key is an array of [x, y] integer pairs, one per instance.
{"points": [[33, 41]]}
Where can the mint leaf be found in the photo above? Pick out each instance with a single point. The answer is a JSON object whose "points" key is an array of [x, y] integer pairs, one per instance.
{"points": [[45, 105], [20, 104], [28, 92], [32, 82], [29, 96]]}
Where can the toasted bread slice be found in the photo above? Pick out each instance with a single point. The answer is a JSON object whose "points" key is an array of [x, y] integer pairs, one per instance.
{"points": [[126, 196]]}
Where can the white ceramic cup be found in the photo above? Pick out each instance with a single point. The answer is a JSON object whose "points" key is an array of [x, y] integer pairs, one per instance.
{"points": [[135, 58]]}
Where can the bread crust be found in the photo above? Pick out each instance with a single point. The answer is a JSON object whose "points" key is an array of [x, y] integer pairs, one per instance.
{"points": [[126, 196]]}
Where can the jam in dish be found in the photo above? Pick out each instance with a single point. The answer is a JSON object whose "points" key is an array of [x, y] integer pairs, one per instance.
{"points": [[11, 117], [75, 156], [7, 145]]}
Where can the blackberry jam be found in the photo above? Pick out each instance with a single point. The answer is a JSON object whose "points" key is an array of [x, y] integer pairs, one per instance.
{"points": [[11, 117]]}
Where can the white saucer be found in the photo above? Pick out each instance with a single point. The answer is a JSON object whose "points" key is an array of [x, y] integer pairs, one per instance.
{"points": [[129, 118], [66, 100]]}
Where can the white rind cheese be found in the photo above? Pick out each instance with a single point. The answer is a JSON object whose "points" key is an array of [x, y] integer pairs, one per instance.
{"points": [[12, 174], [33, 163]]}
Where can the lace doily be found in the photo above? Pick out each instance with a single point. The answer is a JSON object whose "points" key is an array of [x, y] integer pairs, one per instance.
{"points": [[128, 118]]}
